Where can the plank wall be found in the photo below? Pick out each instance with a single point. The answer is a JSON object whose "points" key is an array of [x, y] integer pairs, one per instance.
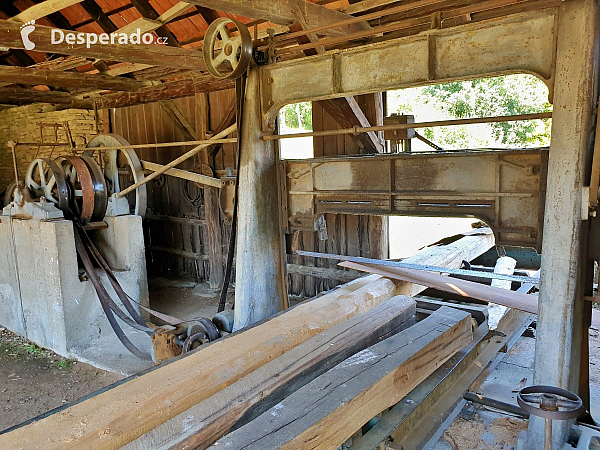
{"points": [[347, 234]]}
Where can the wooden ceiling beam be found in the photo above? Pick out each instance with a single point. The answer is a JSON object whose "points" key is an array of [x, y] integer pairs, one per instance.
{"points": [[43, 9], [148, 12], [67, 80], [92, 8], [157, 55], [16, 96], [281, 12], [172, 89]]}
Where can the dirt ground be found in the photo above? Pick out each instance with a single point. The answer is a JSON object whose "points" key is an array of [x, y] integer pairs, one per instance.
{"points": [[34, 380]]}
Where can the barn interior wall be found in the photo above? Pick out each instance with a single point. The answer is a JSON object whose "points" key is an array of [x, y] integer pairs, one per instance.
{"points": [[175, 246], [41, 123], [181, 247]]}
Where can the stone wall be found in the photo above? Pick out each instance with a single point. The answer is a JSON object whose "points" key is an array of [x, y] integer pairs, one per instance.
{"points": [[27, 123]]}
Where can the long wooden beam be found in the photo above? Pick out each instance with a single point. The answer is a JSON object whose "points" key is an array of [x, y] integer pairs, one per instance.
{"points": [[66, 80], [281, 12], [157, 55], [331, 408], [43, 9], [127, 411], [260, 390]]}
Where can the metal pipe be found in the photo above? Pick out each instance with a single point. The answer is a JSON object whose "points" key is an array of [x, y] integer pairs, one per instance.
{"points": [[13, 145], [496, 404], [403, 126], [177, 161]]}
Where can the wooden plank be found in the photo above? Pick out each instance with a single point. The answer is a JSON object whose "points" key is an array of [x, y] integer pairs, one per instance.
{"points": [[330, 409], [323, 272], [184, 174], [66, 80], [157, 55], [511, 299], [248, 398], [125, 412], [173, 12], [143, 24], [281, 12], [179, 120], [43, 9]]}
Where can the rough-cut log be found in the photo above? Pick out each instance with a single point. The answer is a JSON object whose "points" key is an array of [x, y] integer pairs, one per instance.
{"points": [[169, 90], [331, 408], [15, 96], [66, 80], [157, 55], [120, 415], [281, 12], [247, 399]]}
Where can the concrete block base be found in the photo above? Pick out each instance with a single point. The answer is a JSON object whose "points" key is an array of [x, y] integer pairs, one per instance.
{"points": [[43, 299]]}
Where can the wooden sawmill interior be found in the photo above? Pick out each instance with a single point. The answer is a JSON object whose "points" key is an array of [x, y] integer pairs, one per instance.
{"points": [[230, 297]]}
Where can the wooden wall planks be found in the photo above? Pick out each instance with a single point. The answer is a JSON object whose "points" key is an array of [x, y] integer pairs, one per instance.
{"points": [[173, 197]]}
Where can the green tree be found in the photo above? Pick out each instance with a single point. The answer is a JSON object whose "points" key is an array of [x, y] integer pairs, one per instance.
{"points": [[298, 115], [500, 96]]}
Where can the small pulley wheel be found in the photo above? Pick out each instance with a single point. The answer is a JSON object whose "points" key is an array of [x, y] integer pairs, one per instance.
{"points": [[550, 402], [227, 54], [10, 193], [46, 179], [114, 161]]}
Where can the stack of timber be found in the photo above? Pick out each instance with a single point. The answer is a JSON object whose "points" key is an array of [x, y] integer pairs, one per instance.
{"points": [[331, 408], [135, 408]]}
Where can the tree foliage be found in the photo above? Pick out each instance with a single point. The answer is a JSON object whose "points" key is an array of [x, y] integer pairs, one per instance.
{"points": [[298, 115], [508, 95]]}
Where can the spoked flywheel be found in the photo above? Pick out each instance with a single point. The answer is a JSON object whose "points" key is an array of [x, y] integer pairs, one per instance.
{"points": [[46, 179], [227, 52], [116, 162]]}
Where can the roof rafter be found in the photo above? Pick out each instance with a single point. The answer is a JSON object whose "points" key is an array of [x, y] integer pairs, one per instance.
{"points": [[43, 9], [281, 12]]}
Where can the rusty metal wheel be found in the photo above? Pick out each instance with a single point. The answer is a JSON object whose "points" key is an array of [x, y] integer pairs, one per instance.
{"points": [[89, 197]]}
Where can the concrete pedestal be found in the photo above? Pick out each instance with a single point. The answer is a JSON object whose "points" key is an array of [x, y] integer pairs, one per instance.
{"points": [[43, 299]]}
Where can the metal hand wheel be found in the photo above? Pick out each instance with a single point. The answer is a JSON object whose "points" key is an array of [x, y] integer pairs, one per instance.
{"points": [[551, 403], [227, 54]]}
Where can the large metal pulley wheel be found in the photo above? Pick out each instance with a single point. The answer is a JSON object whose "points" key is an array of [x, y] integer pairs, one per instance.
{"points": [[120, 162], [46, 179], [88, 198], [227, 53]]}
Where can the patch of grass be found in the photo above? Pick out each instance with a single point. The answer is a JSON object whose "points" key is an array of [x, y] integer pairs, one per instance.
{"points": [[22, 350], [64, 364]]}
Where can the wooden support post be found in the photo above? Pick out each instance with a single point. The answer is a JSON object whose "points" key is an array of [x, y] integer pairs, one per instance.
{"points": [[560, 316], [331, 408], [260, 288]]}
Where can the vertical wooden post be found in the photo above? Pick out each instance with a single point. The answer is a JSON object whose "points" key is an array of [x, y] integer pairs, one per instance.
{"points": [[560, 318], [260, 271], [212, 237]]}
